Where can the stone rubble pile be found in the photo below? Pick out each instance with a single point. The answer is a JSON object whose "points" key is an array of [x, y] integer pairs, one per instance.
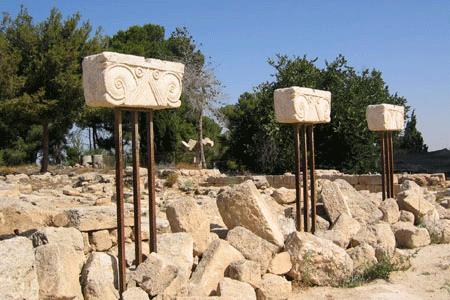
{"points": [[58, 237]]}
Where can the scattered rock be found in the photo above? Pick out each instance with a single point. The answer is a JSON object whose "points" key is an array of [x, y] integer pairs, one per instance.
{"points": [[18, 278], [274, 287], [333, 200], [246, 271], [233, 289], [244, 206], [98, 277]]}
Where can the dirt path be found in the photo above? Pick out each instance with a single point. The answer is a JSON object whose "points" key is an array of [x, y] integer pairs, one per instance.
{"points": [[428, 278]]}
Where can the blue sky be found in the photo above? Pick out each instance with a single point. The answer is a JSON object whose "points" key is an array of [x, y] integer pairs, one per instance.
{"points": [[408, 41]]}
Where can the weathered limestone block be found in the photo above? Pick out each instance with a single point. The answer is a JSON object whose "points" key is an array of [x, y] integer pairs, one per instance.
{"points": [[412, 237], [184, 215], [59, 235], [158, 275], [246, 271], [20, 216], [363, 208], [414, 202], [178, 248], [302, 105], [274, 287], [101, 240], [97, 217], [243, 205], [317, 260], [406, 216], [18, 278], [233, 289], [365, 235], [390, 210], [384, 234], [280, 264], [362, 256], [58, 268], [119, 80], [333, 200], [252, 246], [98, 277], [284, 195], [134, 293], [385, 117], [211, 268]]}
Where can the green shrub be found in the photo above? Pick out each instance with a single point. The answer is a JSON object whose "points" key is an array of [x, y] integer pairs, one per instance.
{"points": [[171, 179]]}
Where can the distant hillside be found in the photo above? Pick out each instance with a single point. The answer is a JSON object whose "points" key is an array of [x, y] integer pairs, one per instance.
{"points": [[425, 162]]}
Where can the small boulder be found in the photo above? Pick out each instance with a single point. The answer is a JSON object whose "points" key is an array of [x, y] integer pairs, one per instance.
{"points": [[412, 237], [246, 271], [274, 287], [233, 289]]}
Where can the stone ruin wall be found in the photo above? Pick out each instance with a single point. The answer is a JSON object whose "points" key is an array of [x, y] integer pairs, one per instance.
{"points": [[370, 182]]}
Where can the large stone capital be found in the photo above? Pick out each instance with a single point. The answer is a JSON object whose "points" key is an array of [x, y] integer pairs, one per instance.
{"points": [[119, 80], [302, 105], [385, 117]]}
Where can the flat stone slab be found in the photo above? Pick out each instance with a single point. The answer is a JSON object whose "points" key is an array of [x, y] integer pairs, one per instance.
{"points": [[120, 80], [302, 105], [385, 117]]}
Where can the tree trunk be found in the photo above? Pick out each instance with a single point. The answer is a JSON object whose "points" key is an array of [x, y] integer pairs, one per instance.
{"points": [[201, 152], [45, 159]]}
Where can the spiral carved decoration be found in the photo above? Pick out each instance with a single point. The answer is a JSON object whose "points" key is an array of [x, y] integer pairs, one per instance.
{"points": [[302, 105], [112, 79]]}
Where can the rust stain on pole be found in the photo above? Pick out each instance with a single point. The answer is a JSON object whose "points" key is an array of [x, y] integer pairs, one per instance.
{"points": [[136, 189], [119, 200], [305, 179], [312, 177], [298, 219], [383, 166], [151, 181], [391, 159]]}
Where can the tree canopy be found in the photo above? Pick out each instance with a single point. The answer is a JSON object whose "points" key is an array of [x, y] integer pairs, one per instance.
{"points": [[45, 89], [260, 144]]}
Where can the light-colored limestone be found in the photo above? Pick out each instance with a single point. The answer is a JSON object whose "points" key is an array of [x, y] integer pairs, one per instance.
{"points": [[274, 287], [97, 217], [363, 256], [414, 202], [101, 240], [243, 205], [211, 268], [385, 117], [233, 289], [18, 278], [284, 195], [184, 215], [134, 293], [158, 275], [333, 200], [316, 260], [390, 210], [252, 246], [98, 277], [120, 80], [58, 267], [280, 264], [302, 105], [412, 237], [178, 248], [246, 271]]}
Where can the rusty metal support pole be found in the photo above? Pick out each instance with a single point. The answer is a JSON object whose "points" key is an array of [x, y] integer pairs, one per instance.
{"points": [[383, 166], [312, 177], [119, 200], [388, 164], [298, 196], [136, 189], [151, 181], [391, 159], [305, 179]]}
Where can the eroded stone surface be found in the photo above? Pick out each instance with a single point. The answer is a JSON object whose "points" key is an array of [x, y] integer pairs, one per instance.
{"points": [[385, 117], [302, 105], [120, 80]]}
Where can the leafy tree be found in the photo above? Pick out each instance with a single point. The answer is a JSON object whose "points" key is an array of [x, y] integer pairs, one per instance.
{"points": [[170, 125], [261, 144], [412, 141], [49, 75], [200, 85]]}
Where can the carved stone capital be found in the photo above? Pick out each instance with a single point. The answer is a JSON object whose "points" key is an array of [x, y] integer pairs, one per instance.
{"points": [[302, 105], [119, 80], [385, 117]]}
